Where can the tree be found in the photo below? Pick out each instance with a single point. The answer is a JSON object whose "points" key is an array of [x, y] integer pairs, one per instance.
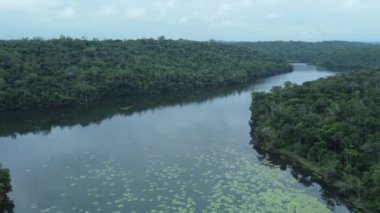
{"points": [[70, 71], [5, 184], [335, 130]]}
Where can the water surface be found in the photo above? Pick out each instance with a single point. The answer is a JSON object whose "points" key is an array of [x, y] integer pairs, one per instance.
{"points": [[185, 152]]}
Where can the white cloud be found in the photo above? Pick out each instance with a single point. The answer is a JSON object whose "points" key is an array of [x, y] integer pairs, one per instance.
{"points": [[272, 16], [192, 19], [224, 8], [28, 5], [227, 23], [67, 12], [354, 6], [135, 13], [107, 10], [349, 3], [183, 20], [164, 6], [247, 3]]}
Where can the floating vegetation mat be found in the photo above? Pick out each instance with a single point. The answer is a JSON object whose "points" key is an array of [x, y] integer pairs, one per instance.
{"points": [[210, 179]]}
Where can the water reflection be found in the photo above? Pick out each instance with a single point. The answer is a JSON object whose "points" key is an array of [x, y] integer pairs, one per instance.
{"points": [[303, 176], [41, 121], [7, 206]]}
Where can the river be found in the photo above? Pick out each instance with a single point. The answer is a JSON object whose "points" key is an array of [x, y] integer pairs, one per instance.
{"points": [[184, 152]]}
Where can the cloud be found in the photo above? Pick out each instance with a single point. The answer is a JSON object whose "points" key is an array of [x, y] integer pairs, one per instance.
{"points": [[354, 6], [135, 13], [107, 10], [165, 6], [272, 16], [224, 8], [247, 3], [192, 19], [67, 12], [227, 23], [28, 5], [349, 3], [183, 20]]}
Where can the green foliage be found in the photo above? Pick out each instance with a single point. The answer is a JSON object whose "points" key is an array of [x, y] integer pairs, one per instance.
{"points": [[332, 54], [333, 123], [5, 185], [68, 71]]}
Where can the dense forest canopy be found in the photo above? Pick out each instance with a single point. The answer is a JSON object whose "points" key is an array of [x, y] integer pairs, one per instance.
{"points": [[331, 124], [332, 54], [64, 71]]}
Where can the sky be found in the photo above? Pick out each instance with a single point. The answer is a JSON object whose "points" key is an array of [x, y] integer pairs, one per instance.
{"points": [[229, 20]]}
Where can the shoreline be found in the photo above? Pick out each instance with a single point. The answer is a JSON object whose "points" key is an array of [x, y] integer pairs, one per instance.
{"points": [[249, 80], [297, 162]]}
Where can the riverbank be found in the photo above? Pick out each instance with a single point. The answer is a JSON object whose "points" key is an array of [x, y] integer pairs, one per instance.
{"points": [[292, 159], [330, 127]]}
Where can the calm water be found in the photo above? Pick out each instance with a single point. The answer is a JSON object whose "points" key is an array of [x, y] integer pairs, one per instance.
{"points": [[184, 152]]}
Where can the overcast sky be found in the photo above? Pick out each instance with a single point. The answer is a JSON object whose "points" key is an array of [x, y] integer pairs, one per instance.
{"points": [[233, 20]]}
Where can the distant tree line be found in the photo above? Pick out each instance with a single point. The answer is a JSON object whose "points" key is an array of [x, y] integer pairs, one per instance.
{"points": [[331, 54], [65, 71], [332, 125]]}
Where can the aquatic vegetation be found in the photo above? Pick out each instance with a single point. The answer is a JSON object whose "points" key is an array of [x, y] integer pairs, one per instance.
{"points": [[221, 178]]}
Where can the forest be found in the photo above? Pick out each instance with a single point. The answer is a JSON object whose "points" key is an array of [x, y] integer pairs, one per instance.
{"points": [[329, 54], [40, 73], [332, 126]]}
